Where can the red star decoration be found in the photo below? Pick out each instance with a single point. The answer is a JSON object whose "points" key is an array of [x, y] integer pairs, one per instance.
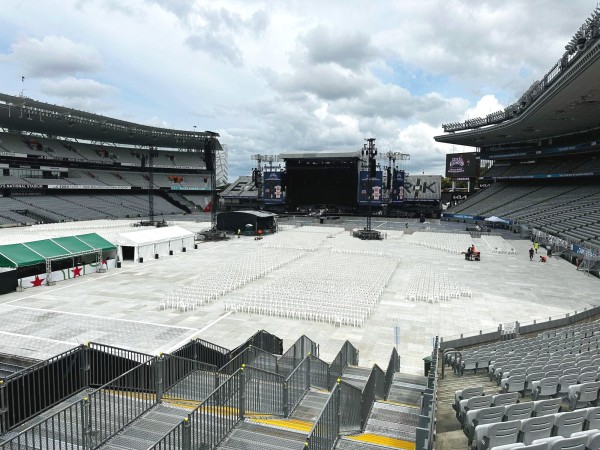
{"points": [[38, 281], [104, 262], [76, 272]]}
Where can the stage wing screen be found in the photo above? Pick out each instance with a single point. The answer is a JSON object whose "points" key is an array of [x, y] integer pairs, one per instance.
{"points": [[422, 188], [321, 182], [376, 188], [398, 190], [462, 165], [272, 190]]}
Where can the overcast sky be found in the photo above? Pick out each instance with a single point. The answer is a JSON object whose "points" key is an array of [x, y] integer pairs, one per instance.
{"points": [[285, 76]]}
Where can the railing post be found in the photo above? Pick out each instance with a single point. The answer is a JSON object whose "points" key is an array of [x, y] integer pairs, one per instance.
{"points": [[158, 376], [308, 371], [86, 426], [85, 365], [186, 437], [3, 409], [286, 406], [242, 406]]}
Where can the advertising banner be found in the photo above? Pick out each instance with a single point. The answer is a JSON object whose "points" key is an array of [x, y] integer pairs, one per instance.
{"points": [[422, 188]]}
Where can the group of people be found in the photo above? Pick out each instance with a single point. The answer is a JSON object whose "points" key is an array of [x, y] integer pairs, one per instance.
{"points": [[533, 250]]}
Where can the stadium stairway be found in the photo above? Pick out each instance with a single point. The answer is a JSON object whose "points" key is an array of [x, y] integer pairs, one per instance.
{"points": [[390, 424]]}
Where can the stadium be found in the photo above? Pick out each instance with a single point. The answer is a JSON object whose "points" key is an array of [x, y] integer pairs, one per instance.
{"points": [[135, 317]]}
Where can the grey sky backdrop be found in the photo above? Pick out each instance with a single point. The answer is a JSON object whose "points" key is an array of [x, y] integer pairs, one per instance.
{"points": [[278, 76]]}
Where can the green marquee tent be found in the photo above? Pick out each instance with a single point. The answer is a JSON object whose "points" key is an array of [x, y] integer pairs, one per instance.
{"points": [[36, 252]]}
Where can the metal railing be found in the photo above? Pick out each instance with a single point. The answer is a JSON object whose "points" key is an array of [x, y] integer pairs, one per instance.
{"points": [[326, 429], [37, 388], [186, 379], [251, 355], [296, 353], [319, 373], [92, 420], [176, 438], [350, 401], [218, 414], [264, 392], [374, 390], [425, 431], [392, 368], [296, 385], [347, 356], [105, 362], [118, 403]]}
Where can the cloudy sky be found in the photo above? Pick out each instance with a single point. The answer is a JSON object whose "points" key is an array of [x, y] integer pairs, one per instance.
{"points": [[277, 76]]}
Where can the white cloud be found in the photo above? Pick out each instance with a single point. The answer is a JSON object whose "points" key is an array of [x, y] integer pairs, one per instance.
{"points": [[288, 76], [53, 56]]}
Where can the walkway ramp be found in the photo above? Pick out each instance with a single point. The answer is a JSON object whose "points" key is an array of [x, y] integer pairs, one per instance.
{"points": [[255, 436]]}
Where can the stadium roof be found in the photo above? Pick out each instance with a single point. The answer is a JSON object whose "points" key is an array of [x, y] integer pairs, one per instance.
{"points": [[321, 155], [566, 101], [26, 114], [36, 252]]}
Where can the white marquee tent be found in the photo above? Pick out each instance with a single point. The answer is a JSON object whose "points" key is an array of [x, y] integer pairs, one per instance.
{"points": [[145, 244]]}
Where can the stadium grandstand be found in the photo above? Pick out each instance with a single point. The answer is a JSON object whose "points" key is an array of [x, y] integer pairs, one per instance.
{"points": [[542, 155], [305, 338], [59, 164]]}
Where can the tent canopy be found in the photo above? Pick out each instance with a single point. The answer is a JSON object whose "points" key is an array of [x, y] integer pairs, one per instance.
{"points": [[153, 235], [36, 252], [496, 220]]}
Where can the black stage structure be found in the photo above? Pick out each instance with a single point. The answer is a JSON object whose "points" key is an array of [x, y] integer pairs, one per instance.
{"points": [[321, 180]]}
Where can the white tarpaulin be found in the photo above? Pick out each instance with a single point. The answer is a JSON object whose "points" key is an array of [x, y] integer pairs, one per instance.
{"points": [[149, 242], [496, 220]]}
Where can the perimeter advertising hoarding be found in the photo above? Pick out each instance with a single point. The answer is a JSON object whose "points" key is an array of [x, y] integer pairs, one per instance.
{"points": [[398, 191], [422, 188], [376, 188], [272, 189], [462, 165]]}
